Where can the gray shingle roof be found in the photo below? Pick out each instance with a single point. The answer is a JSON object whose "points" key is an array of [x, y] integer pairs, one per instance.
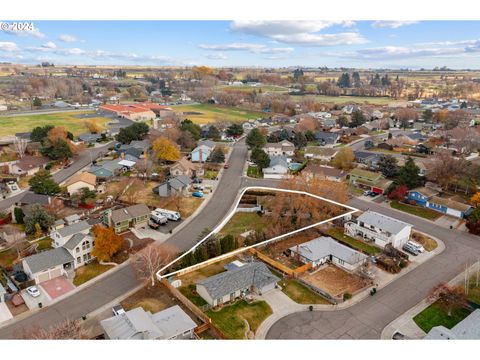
{"points": [[252, 274], [467, 329], [75, 240], [32, 198], [383, 222], [130, 212], [74, 228], [48, 259], [140, 324], [321, 247]]}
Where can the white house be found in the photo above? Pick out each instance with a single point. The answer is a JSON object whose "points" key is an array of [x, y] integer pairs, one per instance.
{"points": [[278, 168], [229, 285], [379, 228], [320, 250], [201, 153], [48, 264], [320, 153], [284, 147]]}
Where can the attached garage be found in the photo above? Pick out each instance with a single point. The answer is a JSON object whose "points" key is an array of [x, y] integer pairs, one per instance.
{"points": [[48, 264]]}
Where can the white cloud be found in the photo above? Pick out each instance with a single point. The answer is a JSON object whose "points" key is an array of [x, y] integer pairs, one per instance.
{"points": [[253, 48], [8, 46], [392, 24], [49, 45], [34, 31], [67, 38], [300, 32], [217, 56]]}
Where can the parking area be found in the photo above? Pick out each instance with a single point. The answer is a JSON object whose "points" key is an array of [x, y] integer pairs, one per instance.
{"points": [[32, 302], [147, 233], [57, 287]]}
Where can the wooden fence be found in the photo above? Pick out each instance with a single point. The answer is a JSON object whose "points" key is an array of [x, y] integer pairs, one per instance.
{"points": [[194, 309], [279, 266]]}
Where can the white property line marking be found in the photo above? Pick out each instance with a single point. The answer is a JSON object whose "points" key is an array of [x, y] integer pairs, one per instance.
{"points": [[230, 215]]}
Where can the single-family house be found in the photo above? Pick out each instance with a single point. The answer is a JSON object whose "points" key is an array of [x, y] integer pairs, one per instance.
{"points": [[89, 138], [320, 153], [328, 139], [28, 165], [467, 329], [176, 185], [80, 181], [232, 284], [325, 173], [201, 153], [108, 169], [427, 197], [369, 180], [137, 324], [278, 168], [121, 220], [186, 168], [320, 250], [381, 229], [284, 147]]}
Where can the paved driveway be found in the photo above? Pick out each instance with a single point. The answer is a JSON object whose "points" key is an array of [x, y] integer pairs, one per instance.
{"points": [[5, 313], [32, 303], [57, 287]]}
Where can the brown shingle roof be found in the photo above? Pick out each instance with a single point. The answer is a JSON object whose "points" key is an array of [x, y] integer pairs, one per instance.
{"points": [[87, 177]]}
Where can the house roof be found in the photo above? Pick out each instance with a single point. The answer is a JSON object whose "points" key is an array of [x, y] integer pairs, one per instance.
{"points": [[48, 259], [29, 162], [321, 247], [251, 274], [100, 172], [362, 155], [452, 204], [130, 212], [369, 175], [280, 145], [425, 191], [85, 177], [383, 222], [184, 164], [328, 137], [74, 228], [467, 329], [318, 150], [75, 240], [209, 143], [87, 137], [325, 171], [140, 324], [30, 198]]}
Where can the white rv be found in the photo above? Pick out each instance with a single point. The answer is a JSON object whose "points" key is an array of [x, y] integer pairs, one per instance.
{"points": [[169, 214]]}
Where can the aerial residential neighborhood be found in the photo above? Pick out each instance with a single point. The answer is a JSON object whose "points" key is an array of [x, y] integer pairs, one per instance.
{"points": [[239, 180]]}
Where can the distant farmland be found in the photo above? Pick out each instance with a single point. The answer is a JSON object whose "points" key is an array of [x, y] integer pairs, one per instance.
{"points": [[207, 113], [9, 125]]}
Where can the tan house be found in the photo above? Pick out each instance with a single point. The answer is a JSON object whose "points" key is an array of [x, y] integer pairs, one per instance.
{"points": [[325, 173], [28, 165], [186, 167], [80, 181]]}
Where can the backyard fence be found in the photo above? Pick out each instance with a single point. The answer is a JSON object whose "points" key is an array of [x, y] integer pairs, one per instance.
{"points": [[281, 267]]}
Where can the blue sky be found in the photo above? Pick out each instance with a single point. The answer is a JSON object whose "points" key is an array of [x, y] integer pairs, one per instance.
{"points": [[375, 44]]}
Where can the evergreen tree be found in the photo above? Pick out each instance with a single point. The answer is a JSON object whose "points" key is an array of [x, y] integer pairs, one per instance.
{"points": [[43, 183], [255, 139], [300, 140], [388, 166], [213, 133], [409, 175], [260, 158]]}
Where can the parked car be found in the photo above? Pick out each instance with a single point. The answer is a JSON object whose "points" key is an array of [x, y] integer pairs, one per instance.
{"points": [[416, 245], [197, 194], [33, 291], [197, 187], [197, 181], [14, 188], [410, 249], [152, 224], [226, 166], [118, 310]]}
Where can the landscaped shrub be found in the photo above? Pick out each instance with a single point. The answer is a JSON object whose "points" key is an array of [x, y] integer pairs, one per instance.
{"points": [[347, 296]]}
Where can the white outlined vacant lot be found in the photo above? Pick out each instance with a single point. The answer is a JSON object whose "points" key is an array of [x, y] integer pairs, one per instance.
{"points": [[237, 251]]}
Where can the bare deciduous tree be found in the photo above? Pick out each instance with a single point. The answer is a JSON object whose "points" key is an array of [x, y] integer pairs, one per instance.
{"points": [[149, 260], [66, 330], [450, 297], [20, 146]]}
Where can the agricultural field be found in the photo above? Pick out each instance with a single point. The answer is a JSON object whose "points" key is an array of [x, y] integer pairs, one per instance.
{"points": [[208, 113], [354, 99], [25, 123], [260, 88]]}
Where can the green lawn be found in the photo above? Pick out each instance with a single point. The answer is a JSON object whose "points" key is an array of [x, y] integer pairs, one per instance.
{"points": [[230, 320], [249, 88], [188, 291], [254, 171], [211, 174], [360, 245], [300, 293], [416, 210], [242, 222], [354, 99], [13, 124], [88, 272], [434, 315], [207, 113], [44, 244]]}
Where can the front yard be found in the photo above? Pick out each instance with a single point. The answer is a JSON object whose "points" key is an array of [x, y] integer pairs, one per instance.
{"points": [[150, 298], [435, 315], [88, 272], [231, 318], [337, 233], [254, 172], [242, 222], [427, 242], [300, 293], [416, 210]]}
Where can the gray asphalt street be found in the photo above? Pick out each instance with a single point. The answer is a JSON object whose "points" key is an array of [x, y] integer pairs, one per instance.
{"points": [[367, 319]]}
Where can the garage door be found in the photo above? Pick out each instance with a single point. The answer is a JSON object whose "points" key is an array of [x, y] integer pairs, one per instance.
{"points": [[43, 277], [453, 212], [55, 273]]}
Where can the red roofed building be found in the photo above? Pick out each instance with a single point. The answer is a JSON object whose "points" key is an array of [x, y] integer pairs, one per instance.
{"points": [[133, 112]]}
